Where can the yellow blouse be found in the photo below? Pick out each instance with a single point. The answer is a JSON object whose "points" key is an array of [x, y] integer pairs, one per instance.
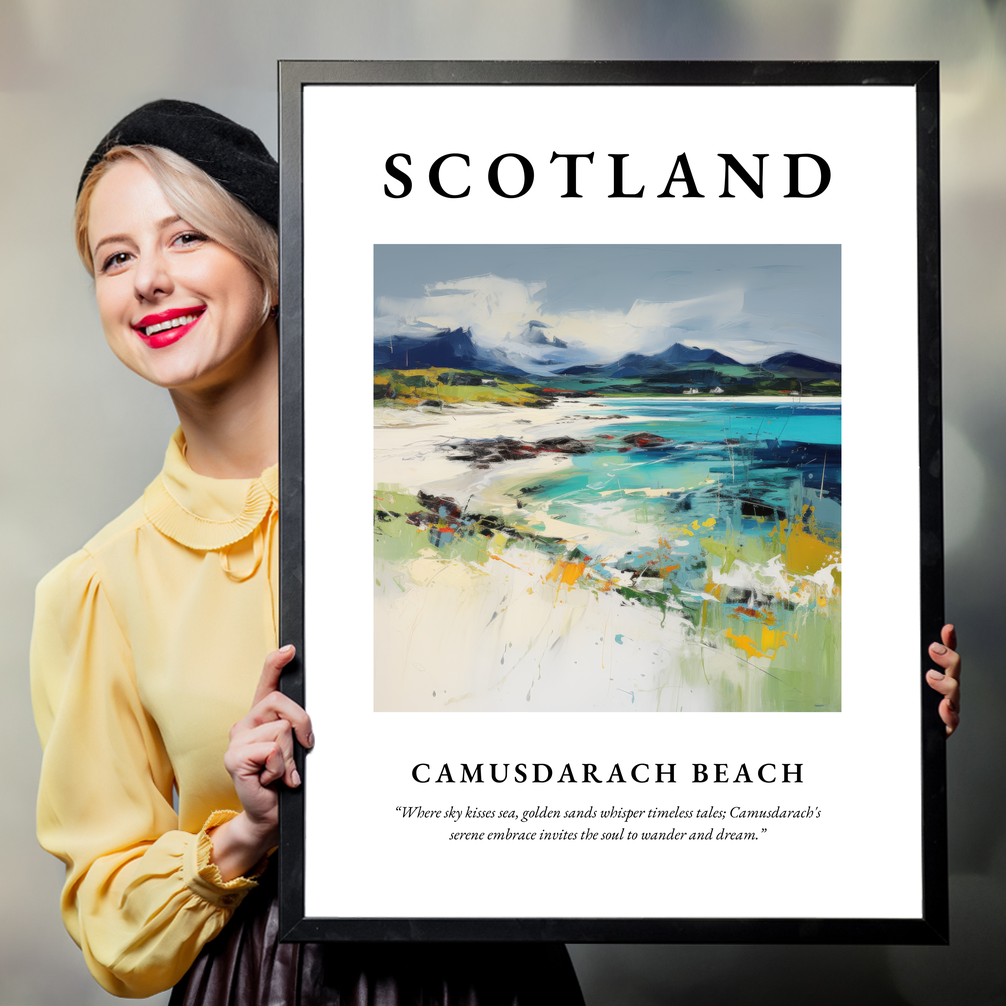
{"points": [[147, 647]]}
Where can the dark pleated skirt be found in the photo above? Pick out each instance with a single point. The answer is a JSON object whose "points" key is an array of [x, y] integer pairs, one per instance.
{"points": [[246, 965]]}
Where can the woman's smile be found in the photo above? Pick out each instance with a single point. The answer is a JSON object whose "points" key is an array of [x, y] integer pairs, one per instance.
{"points": [[166, 327]]}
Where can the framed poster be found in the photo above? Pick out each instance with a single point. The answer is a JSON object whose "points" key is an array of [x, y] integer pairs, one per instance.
{"points": [[611, 499]]}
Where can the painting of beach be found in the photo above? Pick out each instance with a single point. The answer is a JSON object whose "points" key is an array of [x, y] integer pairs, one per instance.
{"points": [[607, 478]]}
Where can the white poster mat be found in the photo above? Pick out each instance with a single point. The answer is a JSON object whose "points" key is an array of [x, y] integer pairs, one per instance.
{"points": [[861, 856]]}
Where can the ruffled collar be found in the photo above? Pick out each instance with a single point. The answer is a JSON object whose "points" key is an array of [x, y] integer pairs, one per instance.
{"points": [[203, 513]]}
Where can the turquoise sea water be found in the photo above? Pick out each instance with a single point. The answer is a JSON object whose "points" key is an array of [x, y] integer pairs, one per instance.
{"points": [[741, 462]]}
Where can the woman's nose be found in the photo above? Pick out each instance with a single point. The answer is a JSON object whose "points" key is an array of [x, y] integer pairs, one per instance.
{"points": [[152, 277]]}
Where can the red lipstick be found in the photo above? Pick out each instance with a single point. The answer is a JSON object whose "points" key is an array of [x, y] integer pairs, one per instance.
{"points": [[166, 327]]}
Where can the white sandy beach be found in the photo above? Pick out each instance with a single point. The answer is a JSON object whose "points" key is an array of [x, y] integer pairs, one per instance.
{"points": [[408, 445]]}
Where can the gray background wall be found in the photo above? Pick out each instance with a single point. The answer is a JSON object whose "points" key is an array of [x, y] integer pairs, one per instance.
{"points": [[81, 436]]}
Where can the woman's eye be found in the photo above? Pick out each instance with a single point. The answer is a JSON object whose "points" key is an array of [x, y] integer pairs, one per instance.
{"points": [[190, 238], [114, 261]]}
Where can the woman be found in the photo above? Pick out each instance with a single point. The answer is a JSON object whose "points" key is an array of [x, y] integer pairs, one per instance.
{"points": [[148, 643]]}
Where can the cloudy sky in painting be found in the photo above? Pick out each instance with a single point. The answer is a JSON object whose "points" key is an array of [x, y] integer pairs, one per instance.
{"points": [[747, 301]]}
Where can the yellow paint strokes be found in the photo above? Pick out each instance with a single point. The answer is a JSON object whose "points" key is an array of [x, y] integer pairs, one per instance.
{"points": [[566, 572], [807, 554], [804, 552], [664, 570], [773, 639], [710, 522], [745, 643]]}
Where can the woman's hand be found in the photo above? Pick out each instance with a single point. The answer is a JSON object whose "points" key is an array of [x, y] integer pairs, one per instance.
{"points": [[260, 753], [947, 682]]}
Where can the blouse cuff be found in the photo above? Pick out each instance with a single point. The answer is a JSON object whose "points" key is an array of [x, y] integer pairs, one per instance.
{"points": [[202, 876]]}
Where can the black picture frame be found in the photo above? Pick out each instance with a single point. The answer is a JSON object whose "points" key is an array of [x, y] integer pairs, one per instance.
{"points": [[932, 925]]}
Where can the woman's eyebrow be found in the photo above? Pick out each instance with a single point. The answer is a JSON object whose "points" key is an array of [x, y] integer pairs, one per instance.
{"points": [[160, 225], [109, 240]]}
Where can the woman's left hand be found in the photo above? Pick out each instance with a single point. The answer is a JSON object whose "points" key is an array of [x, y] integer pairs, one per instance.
{"points": [[948, 681]]}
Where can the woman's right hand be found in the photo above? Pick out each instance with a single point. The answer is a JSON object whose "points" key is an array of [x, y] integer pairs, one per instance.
{"points": [[260, 753]]}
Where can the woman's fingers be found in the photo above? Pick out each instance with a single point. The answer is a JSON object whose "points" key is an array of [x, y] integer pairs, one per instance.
{"points": [[947, 681], [949, 636], [947, 686], [277, 735], [949, 710], [261, 749], [950, 716], [945, 653], [271, 671], [274, 766], [277, 706], [270, 703], [260, 761], [948, 659]]}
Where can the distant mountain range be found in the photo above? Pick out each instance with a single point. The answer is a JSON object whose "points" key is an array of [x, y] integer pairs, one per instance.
{"points": [[533, 349], [672, 359], [681, 365], [445, 349]]}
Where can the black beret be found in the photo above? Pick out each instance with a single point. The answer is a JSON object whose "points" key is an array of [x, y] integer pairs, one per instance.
{"points": [[230, 154]]}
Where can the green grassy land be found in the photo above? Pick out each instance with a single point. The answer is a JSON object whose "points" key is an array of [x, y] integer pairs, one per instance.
{"points": [[438, 385], [802, 640], [446, 386]]}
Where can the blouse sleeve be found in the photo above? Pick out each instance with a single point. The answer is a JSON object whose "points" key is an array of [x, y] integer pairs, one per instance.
{"points": [[141, 898]]}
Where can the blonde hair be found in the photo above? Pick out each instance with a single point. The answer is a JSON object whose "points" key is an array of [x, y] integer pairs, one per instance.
{"points": [[199, 200]]}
